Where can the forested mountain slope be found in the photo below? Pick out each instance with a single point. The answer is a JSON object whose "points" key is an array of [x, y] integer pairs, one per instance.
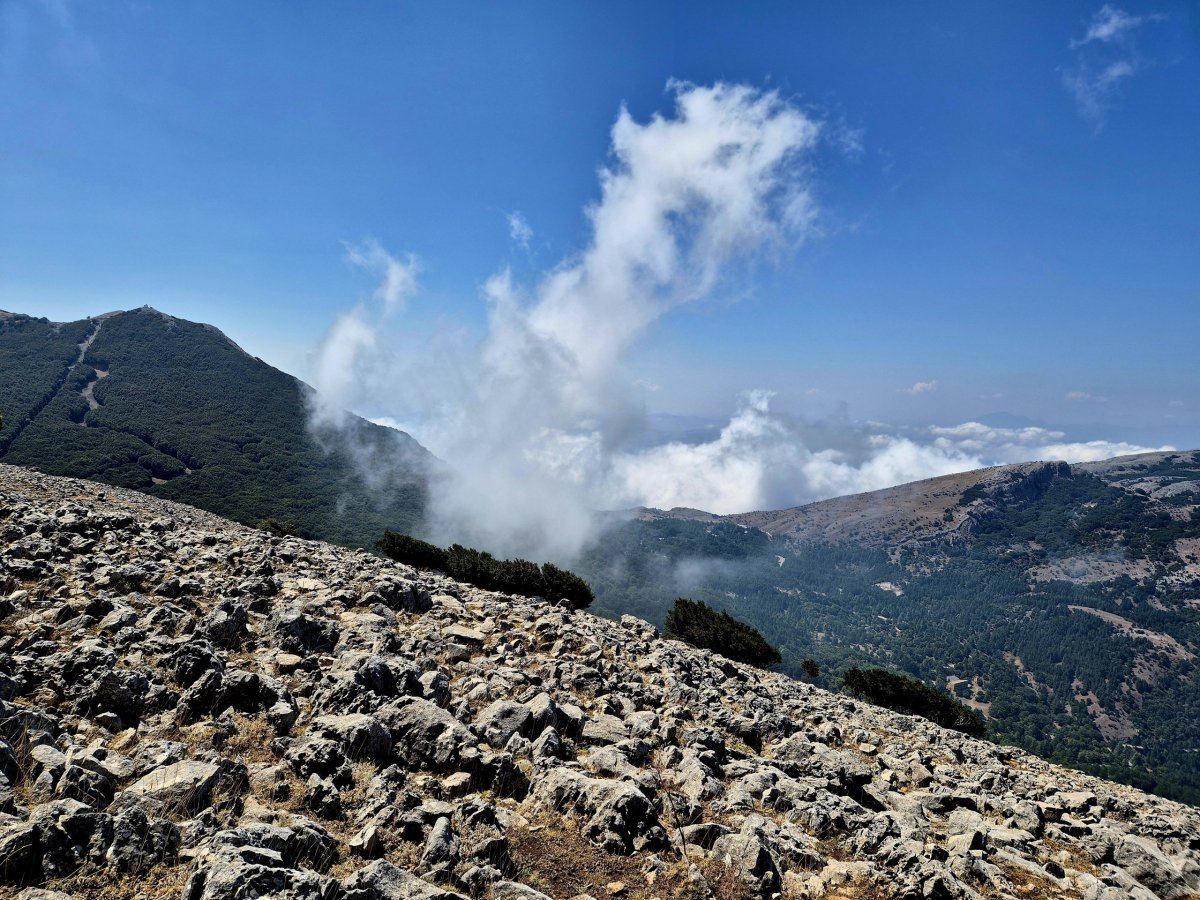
{"points": [[1061, 601], [144, 400]]}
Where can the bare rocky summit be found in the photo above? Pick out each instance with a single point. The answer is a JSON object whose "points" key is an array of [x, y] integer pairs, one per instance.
{"points": [[195, 709]]}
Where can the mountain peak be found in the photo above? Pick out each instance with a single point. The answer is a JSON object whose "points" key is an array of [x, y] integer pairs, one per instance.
{"points": [[144, 399]]}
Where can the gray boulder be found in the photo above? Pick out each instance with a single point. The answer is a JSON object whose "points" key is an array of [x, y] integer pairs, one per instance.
{"points": [[425, 736], [618, 817], [501, 719], [381, 880], [1143, 860], [233, 865]]}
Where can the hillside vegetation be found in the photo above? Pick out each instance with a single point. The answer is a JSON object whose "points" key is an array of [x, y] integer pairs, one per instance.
{"points": [[477, 567], [702, 626], [144, 400], [1061, 603]]}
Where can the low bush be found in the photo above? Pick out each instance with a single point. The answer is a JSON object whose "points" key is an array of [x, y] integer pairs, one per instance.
{"points": [[907, 695], [477, 567], [700, 625]]}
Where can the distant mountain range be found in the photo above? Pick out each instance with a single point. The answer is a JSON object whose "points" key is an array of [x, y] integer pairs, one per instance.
{"points": [[176, 409], [1062, 601]]}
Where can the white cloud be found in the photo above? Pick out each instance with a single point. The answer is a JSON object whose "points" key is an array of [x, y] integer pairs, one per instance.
{"points": [[350, 353], [1111, 24], [922, 387], [519, 230], [397, 279], [976, 436], [1093, 90], [532, 420], [1011, 445], [1104, 58], [1084, 397], [1093, 451], [338, 375], [537, 422]]}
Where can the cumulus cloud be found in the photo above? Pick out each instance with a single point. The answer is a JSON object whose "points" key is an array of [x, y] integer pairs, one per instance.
{"points": [[762, 461], [1103, 59], [541, 424], [1010, 445], [922, 387], [519, 230]]}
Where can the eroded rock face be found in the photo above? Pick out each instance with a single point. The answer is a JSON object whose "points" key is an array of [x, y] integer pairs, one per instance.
{"points": [[259, 716]]}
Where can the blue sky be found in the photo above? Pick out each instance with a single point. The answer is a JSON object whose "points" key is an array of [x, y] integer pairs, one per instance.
{"points": [[1007, 193]]}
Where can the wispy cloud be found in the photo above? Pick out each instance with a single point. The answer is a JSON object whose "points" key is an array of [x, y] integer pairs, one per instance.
{"points": [[519, 230], [348, 360], [922, 387], [397, 278], [1084, 397], [1104, 58], [1111, 24]]}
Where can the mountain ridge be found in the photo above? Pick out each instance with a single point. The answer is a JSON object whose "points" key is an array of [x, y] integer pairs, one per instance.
{"points": [[848, 517], [178, 409]]}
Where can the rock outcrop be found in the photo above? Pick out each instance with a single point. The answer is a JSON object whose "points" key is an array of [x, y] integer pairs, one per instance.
{"points": [[192, 708]]}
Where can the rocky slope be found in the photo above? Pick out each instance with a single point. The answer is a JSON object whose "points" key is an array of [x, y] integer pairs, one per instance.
{"points": [[200, 710]]}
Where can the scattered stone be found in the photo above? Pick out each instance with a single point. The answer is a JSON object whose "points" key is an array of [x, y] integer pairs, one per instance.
{"points": [[169, 680]]}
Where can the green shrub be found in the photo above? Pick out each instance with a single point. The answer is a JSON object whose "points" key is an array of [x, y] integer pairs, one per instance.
{"points": [[279, 527], [907, 695], [700, 625], [559, 584], [412, 552], [477, 567]]}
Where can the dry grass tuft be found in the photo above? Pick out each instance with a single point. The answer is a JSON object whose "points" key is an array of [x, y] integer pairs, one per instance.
{"points": [[251, 741], [860, 889], [1075, 857], [1027, 884], [157, 884], [561, 862]]}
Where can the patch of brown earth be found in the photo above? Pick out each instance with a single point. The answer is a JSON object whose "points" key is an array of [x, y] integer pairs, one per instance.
{"points": [[1163, 642], [1091, 569]]}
